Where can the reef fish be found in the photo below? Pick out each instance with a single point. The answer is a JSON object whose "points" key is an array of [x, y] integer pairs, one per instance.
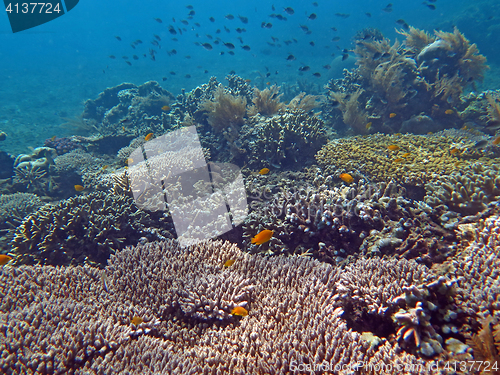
{"points": [[229, 263], [262, 236], [136, 320], [79, 187], [346, 177], [264, 171], [239, 311], [148, 137], [4, 259], [393, 147]]}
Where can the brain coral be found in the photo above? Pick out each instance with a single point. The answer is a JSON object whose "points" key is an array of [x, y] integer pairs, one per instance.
{"points": [[85, 228], [78, 319], [411, 159]]}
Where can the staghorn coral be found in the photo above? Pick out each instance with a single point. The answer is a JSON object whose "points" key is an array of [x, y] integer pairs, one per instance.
{"points": [[467, 192], [14, 207], [332, 224], [82, 229], [296, 315], [286, 139], [369, 156]]}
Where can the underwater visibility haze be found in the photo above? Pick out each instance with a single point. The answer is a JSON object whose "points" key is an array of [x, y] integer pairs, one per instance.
{"points": [[288, 187]]}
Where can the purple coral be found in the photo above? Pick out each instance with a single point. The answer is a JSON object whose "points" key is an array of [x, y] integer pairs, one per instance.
{"points": [[61, 145]]}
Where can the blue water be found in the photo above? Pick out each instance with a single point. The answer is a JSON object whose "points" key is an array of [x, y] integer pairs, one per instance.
{"points": [[48, 71]]}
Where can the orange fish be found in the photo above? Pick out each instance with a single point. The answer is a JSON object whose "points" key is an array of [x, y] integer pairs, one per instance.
{"points": [[496, 141], [449, 111], [346, 177], [393, 147], [392, 115], [262, 236], [454, 151], [123, 128], [240, 311], [165, 108], [53, 138], [136, 320], [229, 263], [398, 160], [268, 83], [264, 171], [148, 137], [406, 154], [368, 126], [130, 161], [79, 187], [4, 259]]}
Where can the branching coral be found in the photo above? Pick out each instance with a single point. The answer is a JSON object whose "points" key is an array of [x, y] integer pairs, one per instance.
{"points": [[85, 228], [285, 139]]}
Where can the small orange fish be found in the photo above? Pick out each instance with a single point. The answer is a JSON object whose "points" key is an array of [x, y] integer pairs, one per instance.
{"points": [[398, 160], [264, 171], [262, 236], [239, 311], [429, 133], [268, 83], [79, 187], [136, 320], [4, 259], [123, 128], [148, 137], [454, 151], [104, 167], [449, 111], [393, 147], [53, 138], [229, 263], [369, 126], [165, 108], [392, 115], [496, 141], [346, 177], [406, 154], [130, 161]]}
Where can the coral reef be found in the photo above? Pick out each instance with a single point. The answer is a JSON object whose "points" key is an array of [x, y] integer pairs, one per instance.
{"points": [[423, 78], [285, 140], [414, 156], [226, 112], [267, 102], [467, 192], [82, 229], [6, 165], [331, 224], [128, 109], [296, 315], [61, 145]]}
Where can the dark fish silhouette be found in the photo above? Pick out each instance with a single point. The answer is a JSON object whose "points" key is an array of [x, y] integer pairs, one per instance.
{"points": [[290, 57], [317, 74], [229, 16], [229, 45], [289, 10], [312, 16], [243, 19], [246, 48], [118, 38], [304, 68], [207, 46], [212, 19], [388, 8], [158, 20]]}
